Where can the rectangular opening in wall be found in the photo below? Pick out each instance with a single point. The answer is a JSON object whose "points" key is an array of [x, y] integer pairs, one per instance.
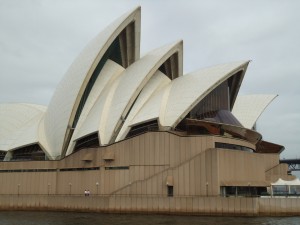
{"points": [[233, 147], [2, 155], [170, 191], [117, 168]]}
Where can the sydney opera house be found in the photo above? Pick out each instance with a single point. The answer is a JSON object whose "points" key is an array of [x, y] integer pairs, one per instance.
{"points": [[121, 124]]}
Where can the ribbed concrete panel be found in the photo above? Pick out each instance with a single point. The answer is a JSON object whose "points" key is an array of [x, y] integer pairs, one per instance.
{"points": [[16, 119], [132, 81], [188, 90], [64, 103], [248, 108], [155, 83], [108, 74]]}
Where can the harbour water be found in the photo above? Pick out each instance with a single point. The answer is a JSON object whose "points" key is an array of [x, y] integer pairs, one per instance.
{"points": [[70, 218]]}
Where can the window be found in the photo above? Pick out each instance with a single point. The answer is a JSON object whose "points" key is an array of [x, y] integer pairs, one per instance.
{"points": [[89, 141], [117, 168], [2, 155], [170, 191], [28, 153], [232, 146], [144, 127]]}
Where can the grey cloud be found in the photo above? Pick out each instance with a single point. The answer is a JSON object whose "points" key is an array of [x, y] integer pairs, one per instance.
{"points": [[40, 39]]}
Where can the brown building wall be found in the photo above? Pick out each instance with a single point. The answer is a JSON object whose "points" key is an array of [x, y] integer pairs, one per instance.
{"points": [[196, 166], [278, 171], [237, 168]]}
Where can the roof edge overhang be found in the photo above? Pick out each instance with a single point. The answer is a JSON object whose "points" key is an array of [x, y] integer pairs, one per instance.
{"points": [[268, 147], [218, 128]]}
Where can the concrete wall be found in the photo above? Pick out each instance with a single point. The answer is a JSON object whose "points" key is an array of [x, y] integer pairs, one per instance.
{"points": [[278, 171], [240, 167], [196, 166], [165, 205], [197, 176]]}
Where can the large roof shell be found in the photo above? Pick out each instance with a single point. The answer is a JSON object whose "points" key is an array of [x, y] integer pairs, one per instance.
{"points": [[248, 108], [119, 98], [63, 106], [110, 72], [171, 104], [188, 90], [133, 80]]}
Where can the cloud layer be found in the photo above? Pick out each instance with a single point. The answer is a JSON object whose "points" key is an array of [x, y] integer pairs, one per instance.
{"points": [[40, 39]]}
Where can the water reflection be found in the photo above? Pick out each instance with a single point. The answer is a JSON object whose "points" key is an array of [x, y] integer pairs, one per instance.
{"points": [[69, 218]]}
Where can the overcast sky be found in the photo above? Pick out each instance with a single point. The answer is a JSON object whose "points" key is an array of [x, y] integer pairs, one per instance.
{"points": [[40, 39]]}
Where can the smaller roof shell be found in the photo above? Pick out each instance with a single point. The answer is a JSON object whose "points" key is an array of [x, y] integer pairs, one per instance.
{"points": [[188, 90], [248, 108], [19, 124], [155, 83], [152, 108], [171, 104]]}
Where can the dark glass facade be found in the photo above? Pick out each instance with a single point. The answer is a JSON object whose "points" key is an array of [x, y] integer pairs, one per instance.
{"points": [[144, 127], [215, 107], [2, 155], [216, 100], [32, 152], [89, 141], [232, 146], [243, 191]]}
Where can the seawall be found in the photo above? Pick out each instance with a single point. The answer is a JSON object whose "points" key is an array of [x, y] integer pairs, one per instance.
{"points": [[214, 206]]}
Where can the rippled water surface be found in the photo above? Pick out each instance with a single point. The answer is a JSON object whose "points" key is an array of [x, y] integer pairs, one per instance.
{"points": [[69, 218]]}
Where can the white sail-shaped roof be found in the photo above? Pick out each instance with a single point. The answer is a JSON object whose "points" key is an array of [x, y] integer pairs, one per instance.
{"points": [[152, 108], [248, 108], [155, 83], [172, 103], [134, 78], [19, 124], [64, 104], [119, 98], [187, 91], [26, 135], [97, 98], [109, 90]]}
